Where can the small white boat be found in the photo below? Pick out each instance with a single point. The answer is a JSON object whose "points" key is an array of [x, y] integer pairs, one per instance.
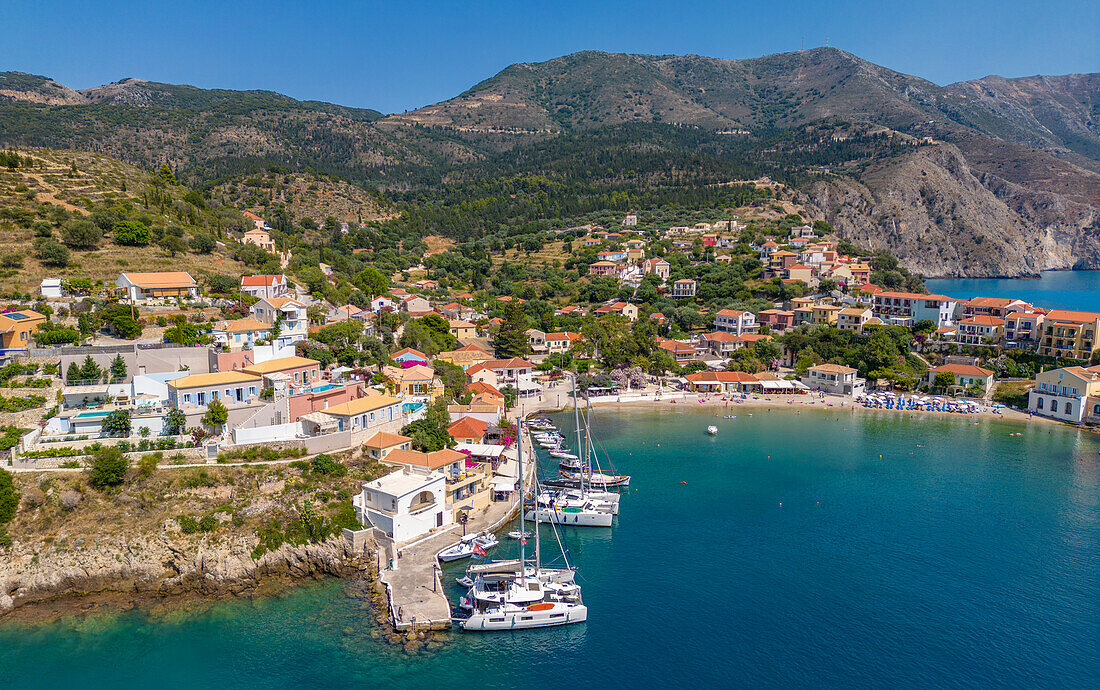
{"points": [[465, 581], [562, 455], [470, 545], [517, 534], [712, 430]]}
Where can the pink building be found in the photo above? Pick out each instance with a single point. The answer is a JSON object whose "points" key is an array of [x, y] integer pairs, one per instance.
{"points": [[317, 401]]}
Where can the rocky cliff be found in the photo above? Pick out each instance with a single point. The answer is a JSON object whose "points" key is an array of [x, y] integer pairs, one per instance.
{"points": [[942, 218], [164, 566]]}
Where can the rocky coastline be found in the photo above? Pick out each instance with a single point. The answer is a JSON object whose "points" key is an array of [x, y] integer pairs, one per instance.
{"points": [[126, 573]]}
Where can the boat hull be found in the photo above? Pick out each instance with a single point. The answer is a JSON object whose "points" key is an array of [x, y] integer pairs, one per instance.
{"points": [[522, 620], [560, 517]]}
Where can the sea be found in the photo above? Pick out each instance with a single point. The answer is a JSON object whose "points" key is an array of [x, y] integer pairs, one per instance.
{"points": [[821, 548], [1073, 290]]}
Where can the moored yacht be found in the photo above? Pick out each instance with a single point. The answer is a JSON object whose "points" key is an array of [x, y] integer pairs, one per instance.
{"points": [[514, 595]]}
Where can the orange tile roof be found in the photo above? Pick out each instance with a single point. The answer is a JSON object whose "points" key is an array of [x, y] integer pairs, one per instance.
{"points": [[962, 369]]}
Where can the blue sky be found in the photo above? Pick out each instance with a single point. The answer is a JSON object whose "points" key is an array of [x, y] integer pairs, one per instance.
{"points": [[403, 54]]}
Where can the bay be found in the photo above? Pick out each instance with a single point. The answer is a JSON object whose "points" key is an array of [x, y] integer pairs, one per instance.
{"points": [[826, 548], [1073, 290]]}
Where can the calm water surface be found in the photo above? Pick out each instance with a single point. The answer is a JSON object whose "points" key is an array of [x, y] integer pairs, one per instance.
{"points": [[821, 549], [1075, 290]]}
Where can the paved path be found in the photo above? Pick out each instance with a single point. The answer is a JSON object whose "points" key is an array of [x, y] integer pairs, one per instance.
{"points": [[415, 587]]}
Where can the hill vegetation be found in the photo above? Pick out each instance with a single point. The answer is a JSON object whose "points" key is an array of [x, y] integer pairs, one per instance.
{"points": [[967, 179]]}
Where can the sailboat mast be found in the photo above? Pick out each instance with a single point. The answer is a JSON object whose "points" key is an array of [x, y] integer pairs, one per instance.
{"points": [[577, 420], [522, 487]]}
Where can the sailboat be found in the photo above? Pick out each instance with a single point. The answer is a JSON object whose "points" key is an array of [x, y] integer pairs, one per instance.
{"points": [[517, 594], [575, 506]]}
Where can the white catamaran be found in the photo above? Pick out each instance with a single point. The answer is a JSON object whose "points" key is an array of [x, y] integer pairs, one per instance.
{"points": [[517, 594]]}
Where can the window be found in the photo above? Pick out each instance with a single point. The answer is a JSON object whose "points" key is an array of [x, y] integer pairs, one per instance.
{"points": [[187, 398], [1069, 408], [252, 390], [1053, 405], [1039, 404]]}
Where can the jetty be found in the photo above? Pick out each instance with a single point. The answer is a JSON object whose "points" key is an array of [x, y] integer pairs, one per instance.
{"points": [[411, 572]]}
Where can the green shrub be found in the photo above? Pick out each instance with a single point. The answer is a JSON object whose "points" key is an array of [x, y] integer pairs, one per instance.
{"points": [[188, 524], [9, 497], [107, 467], [208, 523], [324, 464]]}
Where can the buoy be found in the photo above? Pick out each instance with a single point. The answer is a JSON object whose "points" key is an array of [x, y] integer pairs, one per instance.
{"points": [[683, 482]]}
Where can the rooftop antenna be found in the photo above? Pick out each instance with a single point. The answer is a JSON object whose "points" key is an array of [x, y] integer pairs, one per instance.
{"points": [[826, 40]]}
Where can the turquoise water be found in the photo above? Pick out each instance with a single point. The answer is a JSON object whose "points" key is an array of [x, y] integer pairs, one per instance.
{"points": [[409, 408], [322, 387], [823, 549], [1075, 290], [101, 413]]}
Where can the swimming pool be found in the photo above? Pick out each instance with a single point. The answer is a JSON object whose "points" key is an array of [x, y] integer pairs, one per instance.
{"points": [[89, 415], [409, 408], [323, 387]]}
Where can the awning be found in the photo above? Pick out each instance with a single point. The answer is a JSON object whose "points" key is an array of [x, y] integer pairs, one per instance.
{"points": [[321, 419], [504, 484]]}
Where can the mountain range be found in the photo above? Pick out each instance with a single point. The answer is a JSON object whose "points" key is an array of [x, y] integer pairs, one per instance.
{"points": [[993, 176]]}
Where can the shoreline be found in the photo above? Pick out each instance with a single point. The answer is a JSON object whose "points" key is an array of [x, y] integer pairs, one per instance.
{"points": [[86, 593], [701, 401]]}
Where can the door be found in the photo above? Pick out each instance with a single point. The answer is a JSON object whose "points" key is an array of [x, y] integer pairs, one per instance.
{"points": [[439, 519]]}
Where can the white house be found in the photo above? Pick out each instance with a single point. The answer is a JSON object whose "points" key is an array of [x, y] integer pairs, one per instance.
{"points": [[405, 504], [685, 287], [735, 321], [835, 378], [52, 289], [265, 285], [294, 324], [381, 302], [163, 285]]}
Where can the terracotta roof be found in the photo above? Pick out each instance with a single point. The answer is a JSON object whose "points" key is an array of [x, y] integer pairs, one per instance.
{"points": [[1065, 316], [721, 377], [512, 363], [385, 439], [468, 427], [962, 369], [262, 280], [360, 405], [220, 378], [984, 321], [731, 312], [482, 388], [915, 295], [281, 364], [991, 302], [242, 326], [281, 301], [834, 369], [163, 279], [409, 351]]}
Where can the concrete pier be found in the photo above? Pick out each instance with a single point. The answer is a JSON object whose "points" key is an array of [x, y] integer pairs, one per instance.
{"points": [[415, 585]]}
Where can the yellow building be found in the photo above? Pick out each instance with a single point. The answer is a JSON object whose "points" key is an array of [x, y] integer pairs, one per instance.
{"points": [[1070, 334], [416, 381], [463, 330], [18, 327], [465, 357], [825, 314]]}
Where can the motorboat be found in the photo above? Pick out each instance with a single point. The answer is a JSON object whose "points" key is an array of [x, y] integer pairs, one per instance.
{"points": [[712, 430], [465, 581], [519, 594], [562, 455], [470, 545], [517, 534]]}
